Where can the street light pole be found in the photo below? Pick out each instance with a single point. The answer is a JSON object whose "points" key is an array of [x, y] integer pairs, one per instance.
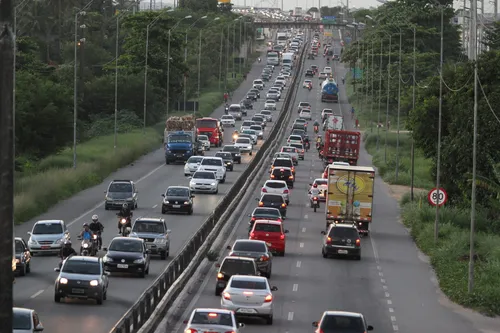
{"points": [[75, 86], [185, 61], [379, 94], [239, 59], [199, 66], [227, 60], [146, 77], [388, 98], [399, 104], [220, 55], [116, 81], [412, 150], [373, 88]]}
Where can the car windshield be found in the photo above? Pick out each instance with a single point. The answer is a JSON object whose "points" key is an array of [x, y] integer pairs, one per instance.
{"points": [[300, 121], [125, 245], [250, 131], [202, 137], [177, 192], [21, 320], [304, 104], [272, 198], [204, 175], [275, 184], [266, 112], [235, 108], [331, 324], [243, 140], [194, 159], [82, 267], [266, 212], [283, 162], [295, 138], [19, 247], [149, 227], [247, 123], [226, 156], [237, 266], [343, 233], [267, 227], [320, 182], [120, 187], [306, 111], [212, 318], [228, 117], [242, 284], [231, 148], [211, 161], [256, 128], [179, 138], [249, 246], [281, 172], [47, 229]]}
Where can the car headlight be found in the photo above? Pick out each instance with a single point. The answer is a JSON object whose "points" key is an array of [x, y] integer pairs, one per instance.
{"points": [[32, 242], [160, 240], [60, 241], [63, 281], [107, 259], [107, 198], [191, 183], [94, 283], [213, 184], [166, 201], [139, 261], [17, 261], [85, 245]]}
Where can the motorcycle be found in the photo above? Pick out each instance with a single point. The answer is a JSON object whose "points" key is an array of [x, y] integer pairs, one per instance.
{"points": [[259, 59], [316, 129], [315, 203], [235, 137], [95, 241], [309, 87], [307, 145], [125, 226], [86, 248], [226, 110]]}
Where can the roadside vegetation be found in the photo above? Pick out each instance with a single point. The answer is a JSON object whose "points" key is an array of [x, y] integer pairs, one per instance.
{"points": [[451, 254], [44, 108]]}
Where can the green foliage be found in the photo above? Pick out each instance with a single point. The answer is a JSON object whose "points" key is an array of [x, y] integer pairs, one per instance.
{"points": [[492, 37]]}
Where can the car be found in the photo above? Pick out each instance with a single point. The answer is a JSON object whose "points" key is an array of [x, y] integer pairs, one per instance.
{"points": [[246, 125], [205, 141], [265, 213], [306, 83], [215, 165], [314, 68], [235, 151], [256, 91], [265, 77], [246, 104], [251, 95], [253, 135], [286, 74], [271, 232], [273, 95], [259, 120], [279, 85], [177, 199], [322, 76], [204, 181], [154, 231], [299, 126], [273, 201], [23, 256], [341, 321], [300, 149], [25, 321], [270, 104], [304, 105], [285, 174], [236, 111], [268, 114], [192, 165], [228, 120], [258, 84], [309, 73], [280, 154], [341, 239], [249, 296], [327, 70], [322, 186], [277, 90], [127, 255], [259, 131], [245, 145], [269, 68], [325, 113], [305, 114], [336, 57], [212, 320], [281, 79], [325, 172], [292, 152], [294, 138], [48, 236], [233, 266], [82, 278], [227, 158], [276, 187], [120, 192], [256, 250]]}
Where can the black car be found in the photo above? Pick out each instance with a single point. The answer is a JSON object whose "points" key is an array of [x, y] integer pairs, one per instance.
{"points": [[235, 151], [247, 104], [127, 255], [283, 163], [300, 132], [310, 56], [341, 239], [233, 266], [299, 126], [309, 73], [284, 174], [314, 68], [177, 199], [23, 257], [273, 201], [256, 91], [227, 158], [256, 250], [342, 321], [252, 96], [265, 77], [264, 213]]}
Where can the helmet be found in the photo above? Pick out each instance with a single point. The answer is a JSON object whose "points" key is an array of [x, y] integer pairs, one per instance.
{"points": [[95, 218], [67, 243], [125, 205], [315, 185]]}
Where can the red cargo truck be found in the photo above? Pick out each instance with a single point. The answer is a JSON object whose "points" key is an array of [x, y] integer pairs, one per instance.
{"points": [[212, 128], [341, 146]]}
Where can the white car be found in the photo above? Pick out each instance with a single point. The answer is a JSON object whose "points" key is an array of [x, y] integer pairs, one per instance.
{"points": [[304, 105], [300, 149], [228, 120], [326, 112], [247, 124], [204, 181], [322, 76], [306, 83], [245, 145], [216, 165], [268, 114], [25, 321], [270, 104], [305, 114], [192, 165], [281, 79], [286, 74], [249, 296], [322, 186], [212, 320], [295, 139], [276, 187], [253, 135], [236, 111], [258, 84], [205, 141], [327, 70], [292, 152], [273, 95], [282, 155], [258, 130], [277, 90]]}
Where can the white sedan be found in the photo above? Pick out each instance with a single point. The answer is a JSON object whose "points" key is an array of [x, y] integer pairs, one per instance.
{"points": [[228, 120], [192, 165], [215, 165], [213, 320], [306, 83], [322, 186], [305, 114], [204, 181], [327, 70], [270, 105], [245, 145], [276, 187]]}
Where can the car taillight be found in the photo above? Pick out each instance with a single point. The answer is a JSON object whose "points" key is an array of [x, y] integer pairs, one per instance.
{"points": [[190, 330], [320, 330], [264, 190], [252, 235], [269, 298], [261, 204], [302, 151], [272, 176], [279, 220], [254, 218], [358, 242], [286, 191], [315, 198], [291, 177], [283, 205], [282, 236], [220, 275], [230, 332], [264, 258], [328, 240], [226, 296]]}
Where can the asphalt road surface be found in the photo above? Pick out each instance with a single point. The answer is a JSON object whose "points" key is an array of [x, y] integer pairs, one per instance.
{"points": [[36, 290], [391, 285]]}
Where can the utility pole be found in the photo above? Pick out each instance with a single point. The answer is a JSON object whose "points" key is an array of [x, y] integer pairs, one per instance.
{"points": [[412, 150], [399, 103], [373, 88], [379, 93], [388, 98], [495, 9], [6, 161]]}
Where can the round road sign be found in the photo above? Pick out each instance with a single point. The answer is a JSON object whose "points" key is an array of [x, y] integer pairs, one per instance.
{"points": [[432, 197]]}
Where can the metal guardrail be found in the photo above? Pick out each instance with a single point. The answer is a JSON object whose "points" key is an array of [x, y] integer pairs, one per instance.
{"points": [[143, 308]]}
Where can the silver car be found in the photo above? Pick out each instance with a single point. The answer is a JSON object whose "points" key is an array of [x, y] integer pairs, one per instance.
{"points": [[268, 114], [25, 321], [245, 145], [205, 141], [192, 165], [212, 320], [249, 296], [272, 95], [48, 236], [228, 120], [259, 131], [155, 234], [253, 135], [300, 149], [204, 181], [292, 151]]}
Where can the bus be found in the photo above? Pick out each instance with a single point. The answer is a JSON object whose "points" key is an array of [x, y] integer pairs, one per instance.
{"points": [[273, 58], [281, 38], [210, 127]]}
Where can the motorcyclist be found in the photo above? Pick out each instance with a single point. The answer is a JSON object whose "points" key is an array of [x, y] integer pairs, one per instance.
{"points": [[235, 135], [259, 59], [307, 144], [125, 213], [96, 227], [310, 86], [86, 234], [66, 251], [314, 192], [316, 126], [226, 109]]}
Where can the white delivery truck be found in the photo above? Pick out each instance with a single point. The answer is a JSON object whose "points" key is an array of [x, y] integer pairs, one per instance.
{"points": [[288, 59]]}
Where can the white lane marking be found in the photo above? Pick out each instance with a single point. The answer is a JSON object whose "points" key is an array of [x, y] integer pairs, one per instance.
{"points": [[382, 281], [38, 293], [380, 274], [295, 287], [299, 263], [387, 294], [389, 302], [385, 287], [395, 328], [391, 310], [303, 229], [290, 315], [306, 216], [155, 206], [393, 319], [301, 245]]}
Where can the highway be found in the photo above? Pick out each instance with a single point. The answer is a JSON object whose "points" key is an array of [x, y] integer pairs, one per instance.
{"points": [[391, 285], [36, 290]]}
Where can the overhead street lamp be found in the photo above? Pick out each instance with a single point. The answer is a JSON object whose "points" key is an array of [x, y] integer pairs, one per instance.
{"points": [[185, 58], [368, 17]]}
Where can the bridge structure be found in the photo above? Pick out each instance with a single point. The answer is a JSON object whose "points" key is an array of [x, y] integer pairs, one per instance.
{"points": [[298, 24]]}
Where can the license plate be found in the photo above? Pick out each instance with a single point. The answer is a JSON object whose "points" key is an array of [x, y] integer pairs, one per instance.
{"points": [[246, 311], [343, 251], [176, 206], [77, 291], [122, 266], [45, 247], [180, 155]]}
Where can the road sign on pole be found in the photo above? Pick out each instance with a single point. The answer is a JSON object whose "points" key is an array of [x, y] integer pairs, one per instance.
{"points": [[433, 199]]}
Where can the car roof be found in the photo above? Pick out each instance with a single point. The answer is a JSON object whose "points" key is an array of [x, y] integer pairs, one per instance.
{"points": [[343, 313], [213, 310], [272, 194], [87, 258], [249, 278], [156, 219], [231, 146], [249, 241], [267, 222], [22, 310], [235, 105], [49, 221], [275, 181], [127, 238], [343, 225], [211, 158], [266, 208], [238, 258], [287, 152]]}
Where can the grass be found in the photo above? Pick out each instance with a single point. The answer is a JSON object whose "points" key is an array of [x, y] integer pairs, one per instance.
{"points": [[450, 256], [53, 179]]}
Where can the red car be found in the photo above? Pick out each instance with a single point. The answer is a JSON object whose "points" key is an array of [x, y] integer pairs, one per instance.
{"points": [[272, 233]]}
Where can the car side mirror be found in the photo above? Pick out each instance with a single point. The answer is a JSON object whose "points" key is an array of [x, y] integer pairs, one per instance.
{"points": [[192, 196], [323, 232], [163, 195], [57, 269], [38, 328], [190, 177], [105, 191], [29, 233], [107, 273], [286, 231], [217, 265], [241, 325], [169, 231], [310, 184], [105, 249], [228, 247], [256, 199], [369, 328], [315, 324], [274, 288]]}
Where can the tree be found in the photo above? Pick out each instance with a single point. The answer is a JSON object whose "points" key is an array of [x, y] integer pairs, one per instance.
{"points": [[492, 37]]}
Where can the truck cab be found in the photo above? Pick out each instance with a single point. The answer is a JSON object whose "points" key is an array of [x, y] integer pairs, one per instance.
{"points": [[180, 146]]}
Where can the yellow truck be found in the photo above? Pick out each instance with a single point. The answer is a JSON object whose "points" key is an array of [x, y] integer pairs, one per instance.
{"points": [[350, 196]]}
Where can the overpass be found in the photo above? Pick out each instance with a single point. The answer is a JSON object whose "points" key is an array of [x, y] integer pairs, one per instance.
{"points": [[296, 24]]}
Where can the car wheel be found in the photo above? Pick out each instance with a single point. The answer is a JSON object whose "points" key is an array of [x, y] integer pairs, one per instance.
{"points": [[268, 274], [358, 257], [99, 300], [163, 255], [218, 292], [105, 295], [323, 253], [147, 271], [239, 162], [57, 298], [269, 320], [22, 271], [106, 207], [163, 211], [190, 211], [250, 154], [216, 191], [142, 274], [28, 268], [223, 180], [167, 161]]}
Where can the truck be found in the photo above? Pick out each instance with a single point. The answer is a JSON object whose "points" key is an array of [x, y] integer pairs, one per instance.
{"points": [[288, 59], [335, 122], [212, 128], [281, 38], [341, 146], [350, 196], [273, 58], [180, 139], [329, 91]]}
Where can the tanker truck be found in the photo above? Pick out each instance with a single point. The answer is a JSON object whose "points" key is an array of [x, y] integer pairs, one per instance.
{"points": [[329, 91]]}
